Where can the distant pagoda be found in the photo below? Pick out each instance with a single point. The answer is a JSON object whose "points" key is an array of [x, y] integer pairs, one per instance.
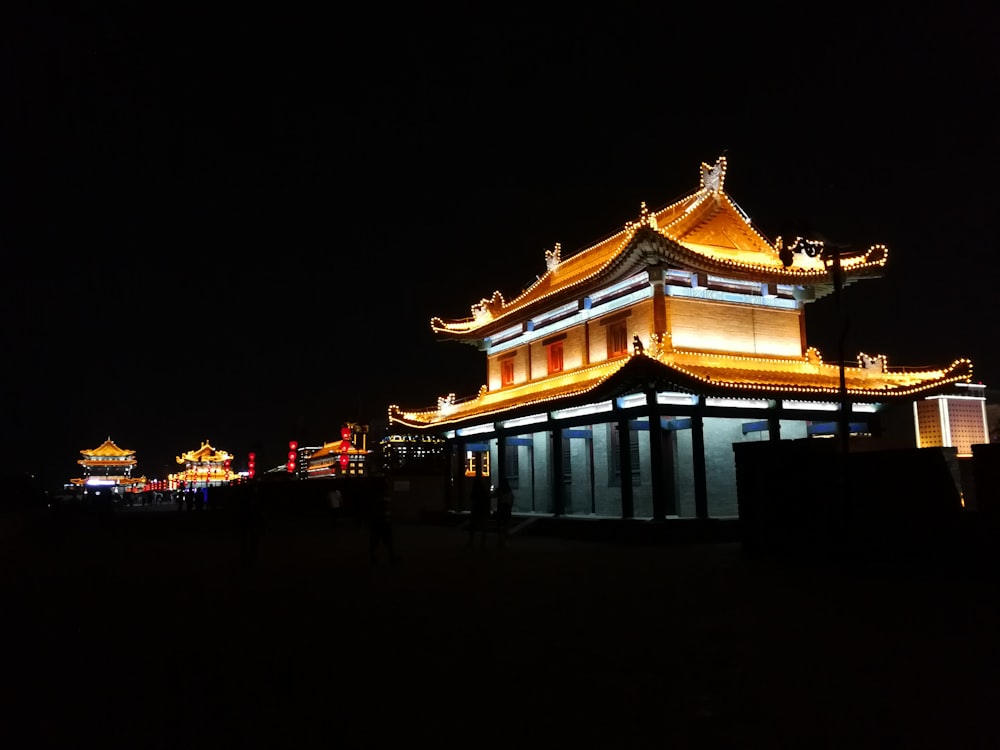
{"points": [[340, 458], [204, 467], [108, 465]]}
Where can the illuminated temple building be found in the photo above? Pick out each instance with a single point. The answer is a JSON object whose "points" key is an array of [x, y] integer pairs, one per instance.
{"points": [[108, 465], [618, 382], [204, 467], [340, 458]]}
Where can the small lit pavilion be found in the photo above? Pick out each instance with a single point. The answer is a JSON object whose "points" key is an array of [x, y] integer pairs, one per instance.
{"points": [[204, 467], [618, 383], [108, 465]]}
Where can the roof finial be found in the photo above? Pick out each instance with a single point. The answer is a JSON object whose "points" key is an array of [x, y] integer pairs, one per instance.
{"points": [[713, 177], [553, 257]]}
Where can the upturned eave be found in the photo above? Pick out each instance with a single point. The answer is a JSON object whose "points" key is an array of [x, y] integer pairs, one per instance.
{"points": [[703, 373]]}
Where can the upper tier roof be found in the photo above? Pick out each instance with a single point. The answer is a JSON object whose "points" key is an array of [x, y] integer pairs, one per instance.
{"points": [[205, 454], [703, 232], [107, 449]]}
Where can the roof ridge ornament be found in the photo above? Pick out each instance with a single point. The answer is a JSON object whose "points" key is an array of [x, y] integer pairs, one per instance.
{"points": [[446, 404], [553, 257], [713, 177], [486, 309], [646, 218], [878, 363]]}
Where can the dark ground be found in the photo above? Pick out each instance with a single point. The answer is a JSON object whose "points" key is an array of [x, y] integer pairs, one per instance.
{"points": [[146, 632]]}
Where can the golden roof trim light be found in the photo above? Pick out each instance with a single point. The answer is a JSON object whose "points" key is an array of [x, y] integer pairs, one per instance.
{"points": [[107, 448], [741, 375], [705, 231], [205, 454], [335, 449]]}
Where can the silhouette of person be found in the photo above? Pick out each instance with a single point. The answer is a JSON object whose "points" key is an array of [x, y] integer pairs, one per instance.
{"points": [[380, 523], [480, 509], [505, 505]]}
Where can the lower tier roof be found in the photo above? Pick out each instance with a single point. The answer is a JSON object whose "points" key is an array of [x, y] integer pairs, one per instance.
{"points": [[703, 373]]}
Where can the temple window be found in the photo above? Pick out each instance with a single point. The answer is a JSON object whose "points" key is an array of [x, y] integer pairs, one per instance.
{"points": [[617, 338], [506, 372], [555, 356]]}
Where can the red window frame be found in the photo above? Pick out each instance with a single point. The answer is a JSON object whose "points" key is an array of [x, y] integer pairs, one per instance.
{"points": [[555, 356], [506, 371], [617, 339]]}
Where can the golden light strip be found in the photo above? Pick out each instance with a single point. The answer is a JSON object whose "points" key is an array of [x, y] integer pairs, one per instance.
{"points": [[937, 379], [850, 263]]}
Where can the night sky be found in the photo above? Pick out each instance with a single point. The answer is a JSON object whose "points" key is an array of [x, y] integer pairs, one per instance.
{"points": [[236, 226]]}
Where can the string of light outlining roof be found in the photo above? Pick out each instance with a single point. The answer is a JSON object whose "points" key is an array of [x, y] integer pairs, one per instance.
{"points": [[713, 306], [704, 231]]}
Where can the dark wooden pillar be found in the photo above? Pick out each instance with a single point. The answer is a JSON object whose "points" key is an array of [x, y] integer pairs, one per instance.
{"points": [[501, 468], [556, 472], [449, 475], [460, 502], [698, 458], [773, 427], [656, 458], [657, 276]]}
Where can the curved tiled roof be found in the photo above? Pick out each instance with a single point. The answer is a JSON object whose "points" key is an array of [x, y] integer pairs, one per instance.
{"points": [[107, 449], [705, 231], [206, 453], [701, 372]]}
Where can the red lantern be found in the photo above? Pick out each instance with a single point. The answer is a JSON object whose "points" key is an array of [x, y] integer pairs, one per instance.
{"points": [[344, 458], [291, 466], [345, 433], [293, 445], [251, 464]]}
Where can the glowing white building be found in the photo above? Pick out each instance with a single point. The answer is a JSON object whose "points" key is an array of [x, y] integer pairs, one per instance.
{"points": [[952, 421]]}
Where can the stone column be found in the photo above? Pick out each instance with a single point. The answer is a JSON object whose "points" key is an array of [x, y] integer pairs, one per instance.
{"points": [[773, 427], [501, 467]]}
